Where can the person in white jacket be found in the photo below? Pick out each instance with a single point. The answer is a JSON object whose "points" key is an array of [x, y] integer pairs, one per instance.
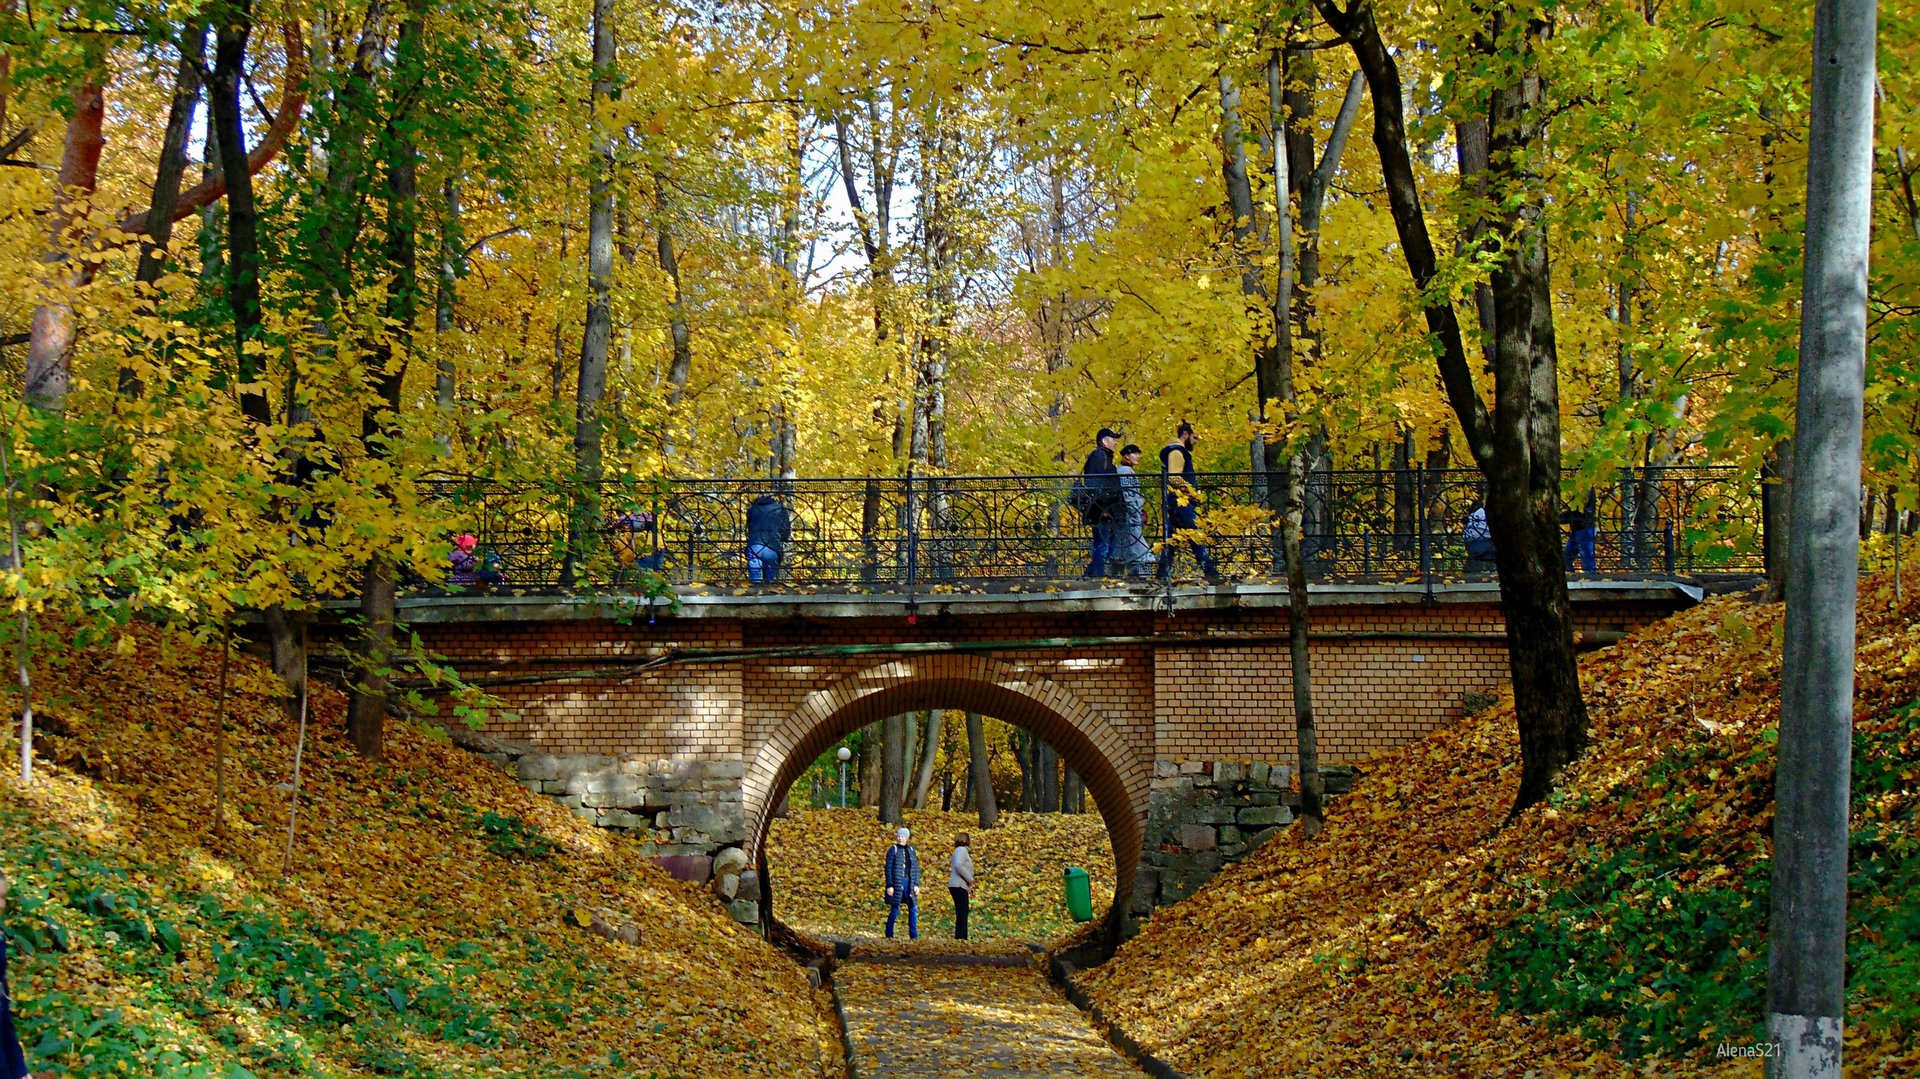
{"points": [[960, 884]]}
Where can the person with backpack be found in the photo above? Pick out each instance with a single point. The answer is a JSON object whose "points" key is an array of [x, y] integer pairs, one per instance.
{"points": [[903, 884], [1096, 494], [769, 528], [1180, 508]]}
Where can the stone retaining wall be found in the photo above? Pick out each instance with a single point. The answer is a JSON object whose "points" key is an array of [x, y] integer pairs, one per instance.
{"points": [[689, 815], [1205, 815]]}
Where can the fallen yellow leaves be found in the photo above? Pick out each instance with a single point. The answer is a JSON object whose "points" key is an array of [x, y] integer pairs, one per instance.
{"points": [[940, 1021], [825, 868], [1369, 946], [438, 866]]}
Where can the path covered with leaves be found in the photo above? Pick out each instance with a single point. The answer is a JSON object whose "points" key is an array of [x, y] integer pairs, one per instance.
{"points": [[826, 870], [922, 1020]]}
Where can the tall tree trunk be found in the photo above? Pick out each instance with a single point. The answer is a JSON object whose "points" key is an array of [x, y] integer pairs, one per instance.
{"points": [[167, 176], [1022, 745], [1073, 793], [1517, 446], [785, 423], [1047, 764], [368, 703], [1293, 304], [49, 371], [870, 761], [977, 772], [598, 333], [930, 749], [1776, 514], [1472, 151], [682, 367], [1806, 975], [893, 768], [1239, 187], [235, 25], [1524, 492], [453, 264]]}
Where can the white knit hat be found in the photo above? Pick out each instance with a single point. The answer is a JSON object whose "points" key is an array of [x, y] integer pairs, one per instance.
{"points": [[902, 834]]}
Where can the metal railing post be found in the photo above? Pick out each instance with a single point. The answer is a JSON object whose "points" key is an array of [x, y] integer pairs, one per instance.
{"points": [[1669, 544], [913, 534], [1420, 510]]}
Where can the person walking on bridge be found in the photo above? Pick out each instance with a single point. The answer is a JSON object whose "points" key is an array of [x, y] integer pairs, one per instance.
{"points": [[1130, 548], [1180, 509], [903, 884], [1097, 496]]}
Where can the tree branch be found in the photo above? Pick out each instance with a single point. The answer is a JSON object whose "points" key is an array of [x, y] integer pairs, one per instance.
{"points": [[293, 100]]}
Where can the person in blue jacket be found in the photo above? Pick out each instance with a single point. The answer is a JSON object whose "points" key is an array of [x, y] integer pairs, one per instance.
{"points": [[13, 1062], [903, 884], [769, 528]]}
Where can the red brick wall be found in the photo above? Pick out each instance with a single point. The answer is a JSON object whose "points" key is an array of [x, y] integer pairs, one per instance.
{"points": [[674, 713], [1223, 701]]}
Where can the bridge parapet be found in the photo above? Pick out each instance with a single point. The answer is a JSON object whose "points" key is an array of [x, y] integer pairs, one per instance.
{"points": [[926, 532]]}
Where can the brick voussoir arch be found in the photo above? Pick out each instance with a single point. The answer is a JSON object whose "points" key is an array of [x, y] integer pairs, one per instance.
{"points": [[1115, 776]]}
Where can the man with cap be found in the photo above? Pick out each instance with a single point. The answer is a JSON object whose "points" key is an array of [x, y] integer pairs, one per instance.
{"points": [[1100, 500], [903, 884]]}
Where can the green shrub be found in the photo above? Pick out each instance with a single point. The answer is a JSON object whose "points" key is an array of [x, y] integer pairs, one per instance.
{"points": [[1650, 951]]}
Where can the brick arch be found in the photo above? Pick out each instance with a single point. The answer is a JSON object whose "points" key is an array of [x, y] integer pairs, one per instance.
{"points": [[1115, 776]]}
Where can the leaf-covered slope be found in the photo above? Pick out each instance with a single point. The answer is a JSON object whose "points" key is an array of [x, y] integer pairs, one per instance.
{"points": [[1620, 926], [427, 926]]}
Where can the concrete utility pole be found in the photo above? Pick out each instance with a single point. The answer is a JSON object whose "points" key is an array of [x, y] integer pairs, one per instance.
{"points": [[1806, 976]]}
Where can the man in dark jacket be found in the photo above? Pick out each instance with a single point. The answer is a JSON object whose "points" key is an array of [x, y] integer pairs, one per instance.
{"points": [[13, 1063], [768, 530], [1105, 505], [903, 884], [1582, 529], [1180, 504]]}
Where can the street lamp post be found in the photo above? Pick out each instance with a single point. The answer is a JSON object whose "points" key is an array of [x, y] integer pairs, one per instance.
{"points": [[844, 755]]}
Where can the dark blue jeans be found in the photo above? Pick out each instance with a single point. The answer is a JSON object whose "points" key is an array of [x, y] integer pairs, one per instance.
{"points": [[1580, 544], [763, 563], [1103, 535], [1183, 517], [913, 917]]}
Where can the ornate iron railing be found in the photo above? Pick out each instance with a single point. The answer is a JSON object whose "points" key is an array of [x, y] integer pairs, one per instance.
{"points": [[921, 532]]}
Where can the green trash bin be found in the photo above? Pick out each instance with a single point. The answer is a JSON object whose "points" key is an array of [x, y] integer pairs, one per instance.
{"points": [[1079, 894]]}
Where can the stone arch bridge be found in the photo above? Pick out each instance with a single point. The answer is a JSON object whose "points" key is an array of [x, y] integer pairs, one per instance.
{"points": [[684, 723]]}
